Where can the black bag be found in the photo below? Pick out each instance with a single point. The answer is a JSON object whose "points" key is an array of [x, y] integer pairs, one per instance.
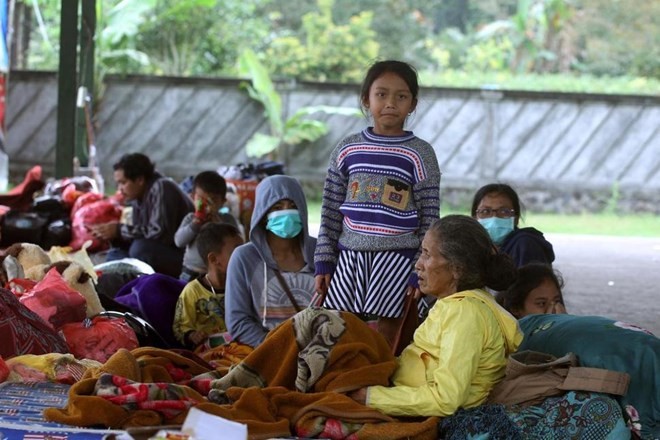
{"points": [[146, 334], [57, 233], [22, 227], [51, 207]]}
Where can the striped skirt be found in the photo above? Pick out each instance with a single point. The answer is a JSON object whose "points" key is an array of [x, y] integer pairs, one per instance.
{"points": [[370, 283]]}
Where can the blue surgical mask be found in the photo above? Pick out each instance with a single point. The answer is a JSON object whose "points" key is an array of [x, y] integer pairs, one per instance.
{"points": [[285, 223], [498, 228]]}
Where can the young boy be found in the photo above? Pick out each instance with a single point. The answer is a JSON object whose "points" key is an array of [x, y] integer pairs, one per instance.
{"points": [[209, 194], [200, 310]]}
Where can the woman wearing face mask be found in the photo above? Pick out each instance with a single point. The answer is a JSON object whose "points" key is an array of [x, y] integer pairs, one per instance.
{"points": [[271, 277], [497, 207]]}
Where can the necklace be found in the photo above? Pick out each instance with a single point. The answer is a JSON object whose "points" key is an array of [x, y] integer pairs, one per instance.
{"points": [[210, 284]]}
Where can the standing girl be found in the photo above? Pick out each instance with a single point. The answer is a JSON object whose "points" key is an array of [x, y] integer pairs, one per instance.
{"points": [[381, 194]]}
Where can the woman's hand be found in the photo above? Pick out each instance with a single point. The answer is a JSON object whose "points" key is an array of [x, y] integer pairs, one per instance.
{"points": [[360, 396]]}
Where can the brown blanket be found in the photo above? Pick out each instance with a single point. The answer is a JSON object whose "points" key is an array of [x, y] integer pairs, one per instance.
{"points": [[321, 353]]}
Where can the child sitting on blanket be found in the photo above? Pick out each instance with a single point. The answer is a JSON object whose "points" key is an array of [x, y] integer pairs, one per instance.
{"points": [[537, 291], [200, 309]]}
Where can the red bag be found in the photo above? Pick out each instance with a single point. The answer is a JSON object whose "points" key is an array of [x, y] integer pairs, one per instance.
{"points": [[24, 332], [4, 370], [85, 199], [54, 301], [20, 286], [95, 213], [99, 338]]}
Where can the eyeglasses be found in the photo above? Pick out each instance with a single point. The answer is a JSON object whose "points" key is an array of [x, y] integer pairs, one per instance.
{"points": [[501, 212]]}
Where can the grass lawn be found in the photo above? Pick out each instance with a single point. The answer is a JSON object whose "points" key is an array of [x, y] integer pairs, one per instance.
{"points": [[641, 225]]}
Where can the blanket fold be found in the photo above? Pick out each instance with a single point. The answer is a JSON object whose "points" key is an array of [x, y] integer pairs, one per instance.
{"points": [[317, 350], [322, 352]]}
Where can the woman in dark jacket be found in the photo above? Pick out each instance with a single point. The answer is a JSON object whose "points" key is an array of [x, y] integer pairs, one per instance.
{"points": [[497, 207]]}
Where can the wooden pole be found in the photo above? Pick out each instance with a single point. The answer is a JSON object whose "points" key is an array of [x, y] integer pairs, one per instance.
{"points": [[84, 137], [66, 90]]}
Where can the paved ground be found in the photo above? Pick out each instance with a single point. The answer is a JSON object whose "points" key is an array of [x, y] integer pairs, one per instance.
{"points": [[617, 277]]}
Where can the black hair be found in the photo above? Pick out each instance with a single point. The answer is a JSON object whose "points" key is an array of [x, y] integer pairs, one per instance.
{"points": [[211, 182], [406, 71], [470, 251], [212, 237], [135, 165], [497, 188], [530, 276]]}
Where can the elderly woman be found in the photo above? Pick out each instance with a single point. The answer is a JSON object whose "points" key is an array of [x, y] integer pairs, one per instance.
{"points": [[497, 207], [459, 352]]}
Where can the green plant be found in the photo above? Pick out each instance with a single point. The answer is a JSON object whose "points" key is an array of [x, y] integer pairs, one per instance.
{"points": [[323, 50], [613, 201], [575, 83], [534, 31], [291, 131]]}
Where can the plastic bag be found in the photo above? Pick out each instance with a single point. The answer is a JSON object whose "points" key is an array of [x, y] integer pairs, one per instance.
{"points": [[99, 338], [85, 199], [131, 266], [4, 370], [95, 213], [57, 253], [20, 286], [54, 301]]}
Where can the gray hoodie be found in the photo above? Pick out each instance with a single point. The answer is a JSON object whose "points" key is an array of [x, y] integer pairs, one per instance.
{"points": [[255, 301]]}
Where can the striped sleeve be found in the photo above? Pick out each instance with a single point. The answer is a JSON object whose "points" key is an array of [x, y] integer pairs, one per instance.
{"points": [[427, 199], [334, 194]]}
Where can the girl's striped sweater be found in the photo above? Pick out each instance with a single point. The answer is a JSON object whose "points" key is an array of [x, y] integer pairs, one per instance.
{"points": [[381, 193]]}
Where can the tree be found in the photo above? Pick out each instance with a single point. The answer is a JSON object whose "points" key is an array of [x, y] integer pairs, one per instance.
{"points": [[618, 38], [534, 31], [200, 37], [325, 51], [117, 30]]}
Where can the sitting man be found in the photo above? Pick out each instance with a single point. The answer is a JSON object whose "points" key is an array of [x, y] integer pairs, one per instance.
{"points": [[158, 206]]}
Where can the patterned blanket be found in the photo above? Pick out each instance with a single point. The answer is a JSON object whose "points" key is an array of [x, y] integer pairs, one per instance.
{"points": [[575, 415]]}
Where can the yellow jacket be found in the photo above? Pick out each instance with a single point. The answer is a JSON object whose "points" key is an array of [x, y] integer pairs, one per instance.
{"points": [[458, 354]]}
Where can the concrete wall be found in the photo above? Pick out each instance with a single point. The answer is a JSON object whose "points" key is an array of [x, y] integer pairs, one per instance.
{"points": [[564, 152]]}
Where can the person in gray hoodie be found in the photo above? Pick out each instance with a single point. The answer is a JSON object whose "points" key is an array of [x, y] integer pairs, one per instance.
{"points": [[271, 277]]}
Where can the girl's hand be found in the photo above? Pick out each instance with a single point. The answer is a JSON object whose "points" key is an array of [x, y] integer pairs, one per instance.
{"points": [[417, 294], [322, 283]]}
